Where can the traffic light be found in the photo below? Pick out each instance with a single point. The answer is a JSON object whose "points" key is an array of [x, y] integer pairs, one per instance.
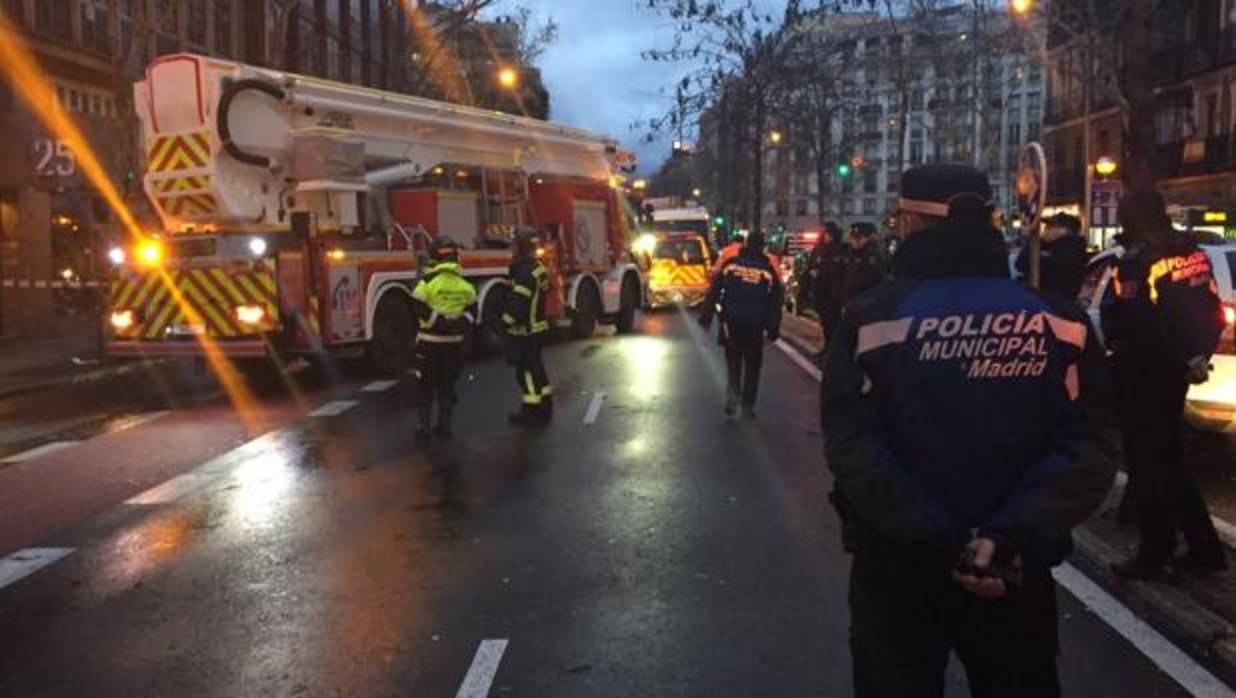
{"points": [[718, 221], [844, 170]]}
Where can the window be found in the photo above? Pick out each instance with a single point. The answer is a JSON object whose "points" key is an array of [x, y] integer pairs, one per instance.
{"points": [[54, 18], [167, 26], [75, 100], [800, 207], [847, 207], [224, 38], [916, 152], [871, 180], [783, 207], [1032, 131], [869, 207], [95, 35], [96, 105], [130, 12], [1015, 132]]}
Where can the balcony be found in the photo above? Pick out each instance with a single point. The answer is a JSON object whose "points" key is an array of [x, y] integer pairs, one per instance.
{"points": [[1196, 157], [1177, 63]]}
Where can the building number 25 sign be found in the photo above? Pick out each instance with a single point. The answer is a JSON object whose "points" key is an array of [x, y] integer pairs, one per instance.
{"points": [[54, 158]]}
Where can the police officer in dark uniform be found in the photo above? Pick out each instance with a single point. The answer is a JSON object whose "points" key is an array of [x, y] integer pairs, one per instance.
{"points": [[822, 269], [1063, 257], [526, 328], [858, 266], [965, 426], [443, 300], [749, 293], [1162, 327]]}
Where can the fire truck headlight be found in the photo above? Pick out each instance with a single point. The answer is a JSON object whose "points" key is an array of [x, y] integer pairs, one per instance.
{"points": [[150, 253], [116, 255], [257, 246], [250, 314], [122, 319], [645, 244]]}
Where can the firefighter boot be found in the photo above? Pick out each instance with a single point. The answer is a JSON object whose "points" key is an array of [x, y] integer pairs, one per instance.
{"points": [[444, 420], [424, 421]]}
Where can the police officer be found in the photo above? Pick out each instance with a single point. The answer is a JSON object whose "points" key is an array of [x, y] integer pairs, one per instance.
{"points": [[1163, 326], [965, 427], [526, 327], [1062, 263], [822, 268], [858, 266], [750, 295], [443, 299]]}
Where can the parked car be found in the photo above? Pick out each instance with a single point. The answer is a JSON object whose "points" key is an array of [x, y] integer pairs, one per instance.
{"points": [[1211, 405]]}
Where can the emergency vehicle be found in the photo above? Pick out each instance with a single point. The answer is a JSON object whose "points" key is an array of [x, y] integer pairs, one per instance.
{"points": [[678, 266], [292, 211]]}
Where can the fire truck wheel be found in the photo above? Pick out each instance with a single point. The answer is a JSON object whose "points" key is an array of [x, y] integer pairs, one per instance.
{"points": [[394, 337], [587, 311], [624, 322]]}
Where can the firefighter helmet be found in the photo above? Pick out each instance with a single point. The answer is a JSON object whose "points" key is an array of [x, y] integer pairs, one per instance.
{"points": [[444, 250]]}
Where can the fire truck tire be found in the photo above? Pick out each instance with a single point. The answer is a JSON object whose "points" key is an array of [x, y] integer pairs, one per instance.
{"points": [[488, 336], [587, 311], [394, 337], [628, 303]]}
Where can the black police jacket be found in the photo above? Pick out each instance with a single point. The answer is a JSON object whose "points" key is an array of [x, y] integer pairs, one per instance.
{"points": [[956, 400], [1166, 308], [749, 292], [1062, 265], [855, 271]]}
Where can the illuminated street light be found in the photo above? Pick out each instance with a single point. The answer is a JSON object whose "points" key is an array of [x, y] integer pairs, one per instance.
{"points": [[1021, 7], [508, 77], [1106, 166], [697, 192], [775, 137], [639, 184]]}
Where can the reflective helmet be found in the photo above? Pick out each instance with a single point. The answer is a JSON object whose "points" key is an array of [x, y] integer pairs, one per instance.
{"points": [[525, 241]]}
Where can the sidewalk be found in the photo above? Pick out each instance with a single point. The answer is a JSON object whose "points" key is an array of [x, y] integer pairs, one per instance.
{"points": [[1199, 615], [68, 353]]}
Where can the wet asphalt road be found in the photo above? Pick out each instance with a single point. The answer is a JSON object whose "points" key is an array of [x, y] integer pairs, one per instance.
{"points": [[661, 550]]}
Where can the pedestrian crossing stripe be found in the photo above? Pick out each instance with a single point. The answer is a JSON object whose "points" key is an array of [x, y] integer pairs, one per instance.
{"points": [[185, 151]]}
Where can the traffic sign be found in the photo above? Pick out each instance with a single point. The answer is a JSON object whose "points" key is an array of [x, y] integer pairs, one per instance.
{"points": [[1104, 203]]}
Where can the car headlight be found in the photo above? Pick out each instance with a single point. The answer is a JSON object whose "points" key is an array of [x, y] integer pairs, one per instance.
{"points": [[257, 246], [645, 244]]}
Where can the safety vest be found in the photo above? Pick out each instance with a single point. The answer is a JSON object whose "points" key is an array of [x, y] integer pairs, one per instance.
{"points": [[445, 296]]}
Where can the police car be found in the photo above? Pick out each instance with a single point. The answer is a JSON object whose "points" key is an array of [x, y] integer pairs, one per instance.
{"points": [[1211, 405]]}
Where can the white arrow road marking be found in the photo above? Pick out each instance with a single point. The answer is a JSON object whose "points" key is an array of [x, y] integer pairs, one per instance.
{"points": [[26, 562], [484, 667], [379, 386], [43, 450], [334, 409], [594, 408]]}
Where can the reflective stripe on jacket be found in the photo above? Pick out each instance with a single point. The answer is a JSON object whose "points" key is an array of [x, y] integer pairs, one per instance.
{"points": [[525, 304]]}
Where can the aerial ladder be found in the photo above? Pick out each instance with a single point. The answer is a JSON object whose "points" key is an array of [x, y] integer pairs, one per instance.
{"points": [[293, 209]]}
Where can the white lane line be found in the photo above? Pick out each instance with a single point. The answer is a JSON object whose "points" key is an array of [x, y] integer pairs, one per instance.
{"points": [[26, 562], [803, 362], [334, 409], [1175, 663], [594, 408], [379, 386], [1169, 658], [480, 675], [171, 490], [43, 450], [137, 421]]}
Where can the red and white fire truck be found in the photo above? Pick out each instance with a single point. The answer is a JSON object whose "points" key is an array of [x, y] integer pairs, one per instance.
{"points": [[293, 209]]}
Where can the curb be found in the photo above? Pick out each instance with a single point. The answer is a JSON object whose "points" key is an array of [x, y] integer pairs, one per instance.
{"points": [[1207, 637], [80, 378]]}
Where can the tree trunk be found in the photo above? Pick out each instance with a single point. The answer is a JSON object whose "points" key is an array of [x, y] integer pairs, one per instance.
{"points": [[757, 153], [1139, 139]]}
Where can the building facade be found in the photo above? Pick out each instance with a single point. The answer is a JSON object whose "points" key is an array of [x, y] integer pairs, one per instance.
{"points": [[965, 92]]}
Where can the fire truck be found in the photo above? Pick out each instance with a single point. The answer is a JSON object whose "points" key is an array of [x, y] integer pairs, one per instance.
{"points": [[293, 211]]}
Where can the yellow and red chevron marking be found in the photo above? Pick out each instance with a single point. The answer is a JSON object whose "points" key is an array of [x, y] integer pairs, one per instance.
{"points": [[315, 315], [172, 185], [188, 206], [211, 293], [668, 273], [185, 151]]}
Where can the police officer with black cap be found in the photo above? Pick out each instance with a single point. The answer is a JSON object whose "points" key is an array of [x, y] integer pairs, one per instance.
{"points": [[965, 425], [443, 300], [1162, 328], [526, 328]]}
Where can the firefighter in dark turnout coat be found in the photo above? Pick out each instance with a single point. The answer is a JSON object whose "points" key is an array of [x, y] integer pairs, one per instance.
{"points": [[526, 329], [966, 429]]}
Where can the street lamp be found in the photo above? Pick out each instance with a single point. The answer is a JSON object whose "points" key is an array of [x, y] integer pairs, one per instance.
{"points": [[1021, 7], [697, 192], [1105, 167], [508, 77], [775, 137]]}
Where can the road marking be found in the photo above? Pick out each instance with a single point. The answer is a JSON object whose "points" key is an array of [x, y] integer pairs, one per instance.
{"points": [[480, 675], [171, 490], [136, 421], [379, 386], [594, 408], [803, 362], [1169, 658], [334, 409], [26, 562], [43, 450], [1173, 662]]}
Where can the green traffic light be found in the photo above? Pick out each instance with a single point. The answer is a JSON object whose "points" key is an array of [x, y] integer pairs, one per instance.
{"points": [[844, 170], [719, 220]]}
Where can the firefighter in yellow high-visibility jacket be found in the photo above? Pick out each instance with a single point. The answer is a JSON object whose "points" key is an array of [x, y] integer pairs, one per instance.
{"points": [[443, 299], [526, 327]]}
